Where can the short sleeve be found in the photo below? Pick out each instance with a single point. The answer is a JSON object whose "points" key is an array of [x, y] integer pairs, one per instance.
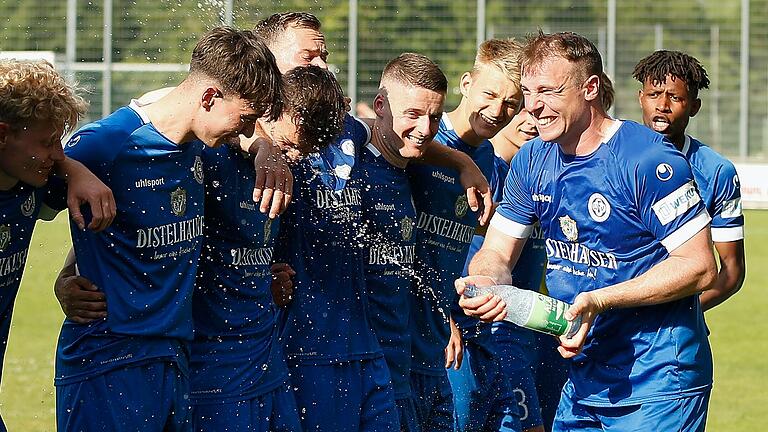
{"points": [[95, 148], [667, 197], [727, 218], [515, 215]]}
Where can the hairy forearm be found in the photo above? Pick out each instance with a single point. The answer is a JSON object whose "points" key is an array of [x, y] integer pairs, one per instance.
{"points": [[444, 156], [489, 262]]}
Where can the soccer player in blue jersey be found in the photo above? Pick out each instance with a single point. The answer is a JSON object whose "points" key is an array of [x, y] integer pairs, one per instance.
{"points": [[445, 226], [408, 107], [628, 244], [671, 83], [130, 370], [37, 107]]}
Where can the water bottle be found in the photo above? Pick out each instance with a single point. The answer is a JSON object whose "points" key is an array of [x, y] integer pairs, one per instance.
{"points": [[531, 309]]}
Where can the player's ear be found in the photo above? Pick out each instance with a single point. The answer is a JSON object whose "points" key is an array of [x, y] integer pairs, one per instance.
{"points": [[378, 104], [465, 83], [695, 107], [5, 129], [592, 88], [209, 96]]}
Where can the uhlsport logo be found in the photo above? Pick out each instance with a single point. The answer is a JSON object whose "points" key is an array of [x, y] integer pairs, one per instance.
{"points": [[462, 205], [267, 230], [664, 171], [5, 236], [569, 228], [406, 228], [179, 201], [599, 208], [28, 206], [197, 169]]}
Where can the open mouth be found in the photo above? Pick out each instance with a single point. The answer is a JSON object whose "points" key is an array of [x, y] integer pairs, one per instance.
{"points": [[492, 122], [418, 141], [660, 124], [545, 121]]}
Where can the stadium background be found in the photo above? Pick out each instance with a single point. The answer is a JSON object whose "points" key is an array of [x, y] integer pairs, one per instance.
{"points": [[117, 49]]}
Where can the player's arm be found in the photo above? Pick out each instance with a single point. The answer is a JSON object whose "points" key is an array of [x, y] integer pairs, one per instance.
{"points": [[80, 300], [733, 268], [472, 179], [274, 181], [282, 283], [454, 351], [688, 270], [84, 187]]}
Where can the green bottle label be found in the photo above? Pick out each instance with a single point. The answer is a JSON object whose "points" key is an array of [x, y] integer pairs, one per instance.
{"points": [[548, 315]]}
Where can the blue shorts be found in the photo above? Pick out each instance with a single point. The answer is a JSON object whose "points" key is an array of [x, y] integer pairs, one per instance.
{"points": [[355, 395], [687, 414], [551, 374], [147, 397], [406, 411], [517, 354], [274, 411], [434, 402], [483, 398]]}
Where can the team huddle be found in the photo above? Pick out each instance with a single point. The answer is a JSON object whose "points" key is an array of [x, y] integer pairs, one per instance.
{"points": [[247, 256]]}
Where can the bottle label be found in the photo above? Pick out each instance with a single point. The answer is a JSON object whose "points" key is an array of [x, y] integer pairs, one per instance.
{"points": [[548, 315]]}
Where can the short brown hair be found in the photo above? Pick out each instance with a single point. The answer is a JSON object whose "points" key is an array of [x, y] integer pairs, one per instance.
{"points": [[415, 70], [315, 102], [502, 53], [607, 93], [272, 28], [33, 90], [243, 65], [571, 46]]}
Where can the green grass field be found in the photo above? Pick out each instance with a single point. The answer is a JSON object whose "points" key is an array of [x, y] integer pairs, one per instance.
{"points": [[739, 332]]}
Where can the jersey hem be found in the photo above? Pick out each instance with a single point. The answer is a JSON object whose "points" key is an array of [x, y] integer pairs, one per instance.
{"points": [[242, 396], [659, 397], [329, 360], [72, 379]]}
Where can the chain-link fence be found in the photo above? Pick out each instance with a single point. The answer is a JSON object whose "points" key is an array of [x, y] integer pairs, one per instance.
{"points": [[119, 49]]}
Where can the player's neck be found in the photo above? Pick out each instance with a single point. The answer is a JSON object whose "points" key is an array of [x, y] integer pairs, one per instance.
{"points": [[504, 147], [596, 132], [460, 120], [172, 115], [7, 182], [678, 141], [386, 147]]}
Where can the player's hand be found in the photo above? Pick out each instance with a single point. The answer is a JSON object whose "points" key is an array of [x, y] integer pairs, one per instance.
{"points": [[588, 306], [488, 307], [454, 351], [84, 187], [478, 192], [282, 283], [274, 181], [81, 301]]}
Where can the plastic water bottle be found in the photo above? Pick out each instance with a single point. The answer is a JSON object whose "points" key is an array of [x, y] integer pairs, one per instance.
{"points": [[530, 309]]}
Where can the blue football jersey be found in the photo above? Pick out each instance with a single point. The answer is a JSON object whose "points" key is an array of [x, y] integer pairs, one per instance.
{"points": [[236, 353], [719, 188], [327, 321], [608, 217], [146, 261], [444, 230], [19, 207], [389, 219]]}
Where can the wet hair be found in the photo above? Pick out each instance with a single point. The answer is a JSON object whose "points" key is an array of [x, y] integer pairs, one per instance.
{"points": [[240, 62], [273, 27], [315, 102], [573, 47], [502, 53], [415, 70], [33, 90], [607, 94], [657, 66]]}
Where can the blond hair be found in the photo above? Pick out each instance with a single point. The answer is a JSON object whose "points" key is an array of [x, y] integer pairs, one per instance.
{"points": [[502, 53], [33, 90]]}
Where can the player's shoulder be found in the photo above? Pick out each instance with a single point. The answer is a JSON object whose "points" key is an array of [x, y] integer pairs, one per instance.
{"points": [[113, 128], [707, 160], [638, 147]]}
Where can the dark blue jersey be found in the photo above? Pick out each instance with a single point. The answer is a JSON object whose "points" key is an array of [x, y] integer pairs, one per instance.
{"points": [[327, 321], [146, 261], [719, 188], [445, 227], [608, 217], [19, 207], [236, 353], [390, 221]]}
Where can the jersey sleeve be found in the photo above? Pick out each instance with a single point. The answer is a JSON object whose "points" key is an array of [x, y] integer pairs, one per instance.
{"points": [[667, 197], [727, 218], [96, 148], [515, 215]]}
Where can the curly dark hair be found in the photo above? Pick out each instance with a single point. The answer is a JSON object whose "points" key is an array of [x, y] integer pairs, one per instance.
{"points": [[315, 102], [657, 66]]}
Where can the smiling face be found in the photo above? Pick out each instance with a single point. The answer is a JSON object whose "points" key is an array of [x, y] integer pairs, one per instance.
{"points": [[520, 129], [491, 99], [27, 153], [408, 117], [667, 107], [300, 47]]}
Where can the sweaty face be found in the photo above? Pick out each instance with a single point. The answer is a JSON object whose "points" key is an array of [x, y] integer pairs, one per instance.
{"points": [[667, 107], [28, 154], [492, 99], [227, 118], [410, 117], [555, 100], [286, 135], [300, 47]]}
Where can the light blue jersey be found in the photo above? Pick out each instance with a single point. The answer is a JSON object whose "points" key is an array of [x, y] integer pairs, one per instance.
{"points": [[608, 217], [719, 188], [146, 261]]}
